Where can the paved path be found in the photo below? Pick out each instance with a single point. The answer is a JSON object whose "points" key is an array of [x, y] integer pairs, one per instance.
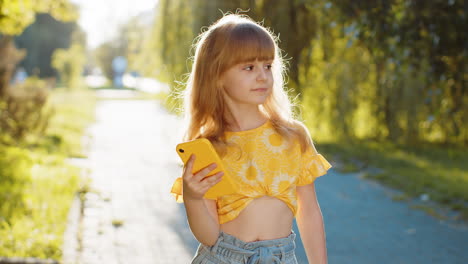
{"points": [[364, 225], [131, 218]]}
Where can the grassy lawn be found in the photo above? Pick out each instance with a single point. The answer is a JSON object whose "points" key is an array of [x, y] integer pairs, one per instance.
{"points": [[438, 171], [38, 185]]}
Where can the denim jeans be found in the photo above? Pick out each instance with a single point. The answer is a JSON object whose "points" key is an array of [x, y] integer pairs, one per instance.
{"points": [[231, 250]]}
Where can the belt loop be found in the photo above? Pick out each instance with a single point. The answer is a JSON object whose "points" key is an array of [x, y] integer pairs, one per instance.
{"points": [[214, 248], [283, 255]]}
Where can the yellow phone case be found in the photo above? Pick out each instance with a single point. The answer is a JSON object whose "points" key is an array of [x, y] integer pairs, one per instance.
{"points": [[205, 155]]}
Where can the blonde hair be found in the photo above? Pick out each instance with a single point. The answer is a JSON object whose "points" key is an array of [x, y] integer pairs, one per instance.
{"points": [[231, 40]]}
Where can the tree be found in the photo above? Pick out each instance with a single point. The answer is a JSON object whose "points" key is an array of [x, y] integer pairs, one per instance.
{"points": [[15, 16], [385, 69], [41, 39], [428, 38], [69, 63]]}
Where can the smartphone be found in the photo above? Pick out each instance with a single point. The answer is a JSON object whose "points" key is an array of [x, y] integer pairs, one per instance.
{"points": [[205, 154]]}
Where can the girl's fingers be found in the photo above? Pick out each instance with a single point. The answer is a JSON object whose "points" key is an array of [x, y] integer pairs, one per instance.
{"points": [[189, 165], [212, 180], [204, 172], [198, 184], [199, 188]]}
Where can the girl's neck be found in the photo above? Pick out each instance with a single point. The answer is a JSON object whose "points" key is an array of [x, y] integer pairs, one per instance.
{"points": [[245, 120]]}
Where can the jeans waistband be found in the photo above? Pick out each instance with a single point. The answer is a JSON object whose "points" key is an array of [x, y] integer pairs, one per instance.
{"points": [[265, 251]]}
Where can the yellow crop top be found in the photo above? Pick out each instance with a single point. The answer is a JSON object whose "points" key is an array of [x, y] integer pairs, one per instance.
{"points": [[267, 165]]}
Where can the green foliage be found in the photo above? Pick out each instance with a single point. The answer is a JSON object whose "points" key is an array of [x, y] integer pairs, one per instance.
{"points": [[16, 15], [336, 99], [35, 228], [164, 54], [37, 185], [14, 175], [104, 54], [426, 39], [70, 63], [133, 35], [128, 43], [24, 112], [373, 69], [42, 38]]}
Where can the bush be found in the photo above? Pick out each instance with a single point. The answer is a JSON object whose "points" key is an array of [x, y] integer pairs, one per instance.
{"points": [[37, 185], [15, 168], [24, 112]]}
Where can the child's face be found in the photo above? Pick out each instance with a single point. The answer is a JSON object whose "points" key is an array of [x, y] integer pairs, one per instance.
{"points": [[248, 83]]}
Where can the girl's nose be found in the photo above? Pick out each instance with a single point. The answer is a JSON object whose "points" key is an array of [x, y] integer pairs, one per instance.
{"points": [[262, 75]]}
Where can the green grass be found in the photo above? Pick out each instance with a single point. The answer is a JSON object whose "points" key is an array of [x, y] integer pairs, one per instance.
{"points": [[75, 110], [38, 185], [439, 171]]}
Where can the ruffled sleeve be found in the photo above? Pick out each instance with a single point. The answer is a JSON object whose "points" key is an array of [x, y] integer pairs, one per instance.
{"points": [[177, 190], [313, 165]]}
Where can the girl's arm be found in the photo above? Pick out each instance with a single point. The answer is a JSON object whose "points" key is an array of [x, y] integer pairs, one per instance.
{"points": [[201, 213], [204, 226], [310, 222]]}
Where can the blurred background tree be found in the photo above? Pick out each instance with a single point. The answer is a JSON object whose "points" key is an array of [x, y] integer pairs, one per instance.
{"points": [[33, 26], [107, 51], [42, 38], [386, 70], [70, 63], [419, 49], [15, 16]]}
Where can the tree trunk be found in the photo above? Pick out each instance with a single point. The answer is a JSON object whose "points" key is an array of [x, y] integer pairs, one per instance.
{"points": [[10, 56]]}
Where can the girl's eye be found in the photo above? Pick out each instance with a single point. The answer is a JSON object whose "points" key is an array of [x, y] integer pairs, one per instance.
{"points": [[248, 68], [268, 67]]}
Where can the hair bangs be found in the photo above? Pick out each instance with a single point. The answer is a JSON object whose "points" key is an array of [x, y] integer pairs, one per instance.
{"points": [[248, 42]]}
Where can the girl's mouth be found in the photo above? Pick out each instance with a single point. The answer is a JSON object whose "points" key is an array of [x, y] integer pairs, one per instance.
{"points": [[260, 90]]}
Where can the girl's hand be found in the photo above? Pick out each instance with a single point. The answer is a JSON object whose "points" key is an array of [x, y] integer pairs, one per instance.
{"points": [[196, 185]]}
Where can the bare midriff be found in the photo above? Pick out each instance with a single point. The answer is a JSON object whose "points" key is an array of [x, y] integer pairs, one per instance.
{"points": [[265, 218]]}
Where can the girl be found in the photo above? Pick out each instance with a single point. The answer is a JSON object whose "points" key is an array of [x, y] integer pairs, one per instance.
{"points": [[235, 98]]}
